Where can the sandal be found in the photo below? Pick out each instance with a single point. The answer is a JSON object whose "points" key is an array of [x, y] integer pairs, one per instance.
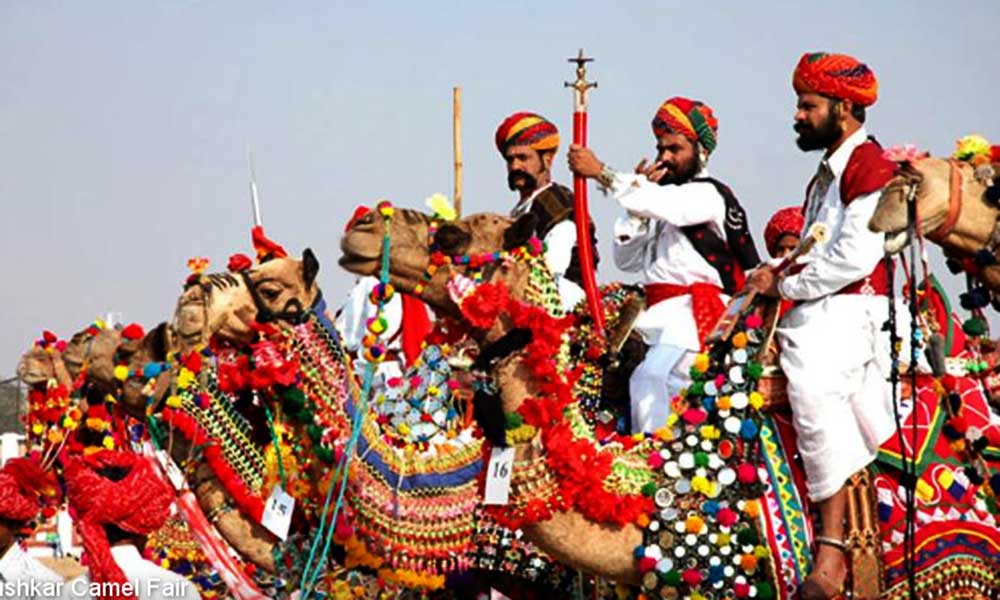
{"points": [[820, 585]]}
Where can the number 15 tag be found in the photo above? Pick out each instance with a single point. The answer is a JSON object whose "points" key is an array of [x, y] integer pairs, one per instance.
{"points": [[498, 476], [277, 516]]}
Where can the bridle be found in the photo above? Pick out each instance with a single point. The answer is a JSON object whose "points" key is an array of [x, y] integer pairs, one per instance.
{"points": [[954, 202]]}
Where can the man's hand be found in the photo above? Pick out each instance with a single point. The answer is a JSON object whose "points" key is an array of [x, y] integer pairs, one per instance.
{"points": [[653, 172], [583, 162], [764, 281]]}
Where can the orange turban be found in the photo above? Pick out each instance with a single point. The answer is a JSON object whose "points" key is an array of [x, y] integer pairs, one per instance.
{"points": [[836, 76], [527, 129], [139, 503], [787, 221], [690, 118]]}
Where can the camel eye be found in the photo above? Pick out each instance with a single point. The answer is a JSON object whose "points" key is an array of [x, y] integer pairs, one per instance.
{"points": [[269, 292]]}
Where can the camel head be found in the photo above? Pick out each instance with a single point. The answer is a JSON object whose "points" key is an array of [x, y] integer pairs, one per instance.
{"points": [[411, 249], [226, 304], [930, 181], [92, 348]]}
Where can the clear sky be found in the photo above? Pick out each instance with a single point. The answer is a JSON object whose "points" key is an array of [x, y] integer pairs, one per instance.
{"points": [[124, 125]]}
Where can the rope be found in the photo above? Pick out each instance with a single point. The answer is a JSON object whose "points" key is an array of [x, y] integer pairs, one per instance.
{"points": [[277, 445]]}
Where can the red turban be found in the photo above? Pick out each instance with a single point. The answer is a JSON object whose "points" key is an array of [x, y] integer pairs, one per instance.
{"points": [[787, 221], [690, 118], [836, 76], [139, 503], [22, 481], [527, 129]]}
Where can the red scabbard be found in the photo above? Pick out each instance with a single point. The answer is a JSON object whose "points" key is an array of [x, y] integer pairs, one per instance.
{"points": [[581, 214]]}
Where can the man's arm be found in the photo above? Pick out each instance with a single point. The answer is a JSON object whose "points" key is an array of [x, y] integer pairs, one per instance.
{"points": [[680, 205], [849, 258], [559, 247]]}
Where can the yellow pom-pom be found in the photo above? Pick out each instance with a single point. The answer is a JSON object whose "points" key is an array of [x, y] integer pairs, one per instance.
{"points": [[701, 362], [185, 378], [756, 400], [121, 372], [174, 401], [710, 432], [971, 146], [694, 523], [55, 436], [109, 442], [38, 428], [740, 340]]}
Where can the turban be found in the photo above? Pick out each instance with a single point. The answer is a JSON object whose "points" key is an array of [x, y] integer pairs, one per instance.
{"points": [[139, 504], [690, 118], [22, 481], [527, 129], [787, 221], [836, 76]]}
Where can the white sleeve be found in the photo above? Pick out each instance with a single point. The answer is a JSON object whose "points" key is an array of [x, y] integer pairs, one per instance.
{"points": [[354, 312], [680, 205], [632, 236], [849, 258], [559, 244]]}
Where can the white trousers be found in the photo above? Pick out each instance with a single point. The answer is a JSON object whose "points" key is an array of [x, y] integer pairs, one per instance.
{"points": [[659, 377], [836, 359]]}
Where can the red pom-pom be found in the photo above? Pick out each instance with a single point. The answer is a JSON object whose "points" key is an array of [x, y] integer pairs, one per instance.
{"points": [[995, 154], [192, 362], [746, 473], [133, 331], [727, 517], [49, 337], [691, 576], [239, 262], [742, 590], [646, 564], [61, 345], [694, 416]]}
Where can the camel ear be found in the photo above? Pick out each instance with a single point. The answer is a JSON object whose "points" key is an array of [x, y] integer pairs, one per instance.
{"points": [[310, 267], [452, 239], [520, 231]]}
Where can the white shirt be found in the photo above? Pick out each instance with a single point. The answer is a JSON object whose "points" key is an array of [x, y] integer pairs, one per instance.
{"points": [[650, 241], [24, 578], [151, 582], [851, 251], [352, 318], [559, 243]]}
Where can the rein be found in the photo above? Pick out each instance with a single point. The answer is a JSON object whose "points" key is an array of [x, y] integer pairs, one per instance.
{"points": [[954, 203]]}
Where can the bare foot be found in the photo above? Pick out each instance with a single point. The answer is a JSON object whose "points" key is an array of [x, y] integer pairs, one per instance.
{"points": [[828, 575]]}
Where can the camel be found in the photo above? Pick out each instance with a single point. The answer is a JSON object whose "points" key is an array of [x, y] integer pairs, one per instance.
{"points": [[607, 550], [951, 211]]}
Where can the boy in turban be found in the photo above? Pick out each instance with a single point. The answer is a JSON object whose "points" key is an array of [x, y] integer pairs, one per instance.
{"points": [[686, 234], [832, 348], [783, 231], [117, 498], [528, 142], [22, 482]]}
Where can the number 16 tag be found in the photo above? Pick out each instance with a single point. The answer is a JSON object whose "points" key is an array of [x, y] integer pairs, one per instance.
{"points": [[498, 476]]}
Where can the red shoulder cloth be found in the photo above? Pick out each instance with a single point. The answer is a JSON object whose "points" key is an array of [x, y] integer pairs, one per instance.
{"points": [[867, 171]]}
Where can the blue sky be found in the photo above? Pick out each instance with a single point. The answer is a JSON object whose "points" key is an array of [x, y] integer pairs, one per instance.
{"points": [[124, 125]]}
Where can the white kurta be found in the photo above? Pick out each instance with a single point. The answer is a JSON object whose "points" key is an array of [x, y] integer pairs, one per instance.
{"points": [[150, 581], [649, 241], [559, 244], [24, 578], [832, 348]]}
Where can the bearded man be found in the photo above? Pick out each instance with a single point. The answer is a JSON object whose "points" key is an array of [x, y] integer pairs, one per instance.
{"points": [[22, 482], [528, 142], [832, 348], [686, 234]]}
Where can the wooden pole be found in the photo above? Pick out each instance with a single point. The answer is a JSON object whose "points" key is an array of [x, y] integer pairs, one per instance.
{"points": [[456, 142]]}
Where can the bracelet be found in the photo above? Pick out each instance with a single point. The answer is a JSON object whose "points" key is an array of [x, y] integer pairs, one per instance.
{"points": [[607, 177]]}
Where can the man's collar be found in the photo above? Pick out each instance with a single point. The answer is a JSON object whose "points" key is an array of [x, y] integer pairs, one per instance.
{"points": [[524, 206], [838, 160]]}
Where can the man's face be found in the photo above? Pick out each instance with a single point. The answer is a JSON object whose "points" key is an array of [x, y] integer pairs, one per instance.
{"points": [[816, 122], [678, 157], [786, 245], [525, 167]]}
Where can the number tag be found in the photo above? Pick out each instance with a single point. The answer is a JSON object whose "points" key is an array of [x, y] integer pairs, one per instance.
{"points": [[277, 516], [498, 476]]}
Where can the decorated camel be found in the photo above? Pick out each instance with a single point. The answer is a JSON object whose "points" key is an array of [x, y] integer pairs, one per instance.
{"points": [[500, 293]]}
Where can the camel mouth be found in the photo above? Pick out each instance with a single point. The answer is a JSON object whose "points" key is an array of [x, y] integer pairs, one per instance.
{"points": [[354, 256], [895, 241]]}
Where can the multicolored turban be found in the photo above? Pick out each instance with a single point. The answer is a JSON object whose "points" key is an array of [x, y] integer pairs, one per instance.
{"points": [[22, 481], [787, 221], [836, 76], [690, 118], [527, 129], [139, 503]]}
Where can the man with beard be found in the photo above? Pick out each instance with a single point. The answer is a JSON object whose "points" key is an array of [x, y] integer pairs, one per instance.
{"points": [[832, 348], [686, 233], [528, 142]]}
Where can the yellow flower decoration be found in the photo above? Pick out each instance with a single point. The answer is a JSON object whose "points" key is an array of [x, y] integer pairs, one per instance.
{"points": [[971, 146], [185, 378], [174, 401], [442, 207], [121, 372], [109, 442]]}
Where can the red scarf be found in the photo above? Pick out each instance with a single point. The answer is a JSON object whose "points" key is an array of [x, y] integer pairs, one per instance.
{"points": [[706, 305]]}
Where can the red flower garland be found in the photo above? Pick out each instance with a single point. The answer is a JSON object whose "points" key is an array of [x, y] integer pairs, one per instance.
{"points": [[580, 467]]}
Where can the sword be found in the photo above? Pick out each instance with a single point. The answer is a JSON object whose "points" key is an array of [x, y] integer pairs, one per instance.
{"points": [[581, 213], [254, 199]]}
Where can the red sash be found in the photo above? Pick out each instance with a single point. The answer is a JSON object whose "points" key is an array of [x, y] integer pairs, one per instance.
{"points": [[706, 305]]}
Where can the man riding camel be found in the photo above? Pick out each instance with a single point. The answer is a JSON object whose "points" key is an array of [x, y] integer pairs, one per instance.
{"points": [[832, 348], [528, 142], [783, 231], [686, 233]]}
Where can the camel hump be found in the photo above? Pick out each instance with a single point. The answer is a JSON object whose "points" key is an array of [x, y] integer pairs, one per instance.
{"points": [[867, 171]]}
